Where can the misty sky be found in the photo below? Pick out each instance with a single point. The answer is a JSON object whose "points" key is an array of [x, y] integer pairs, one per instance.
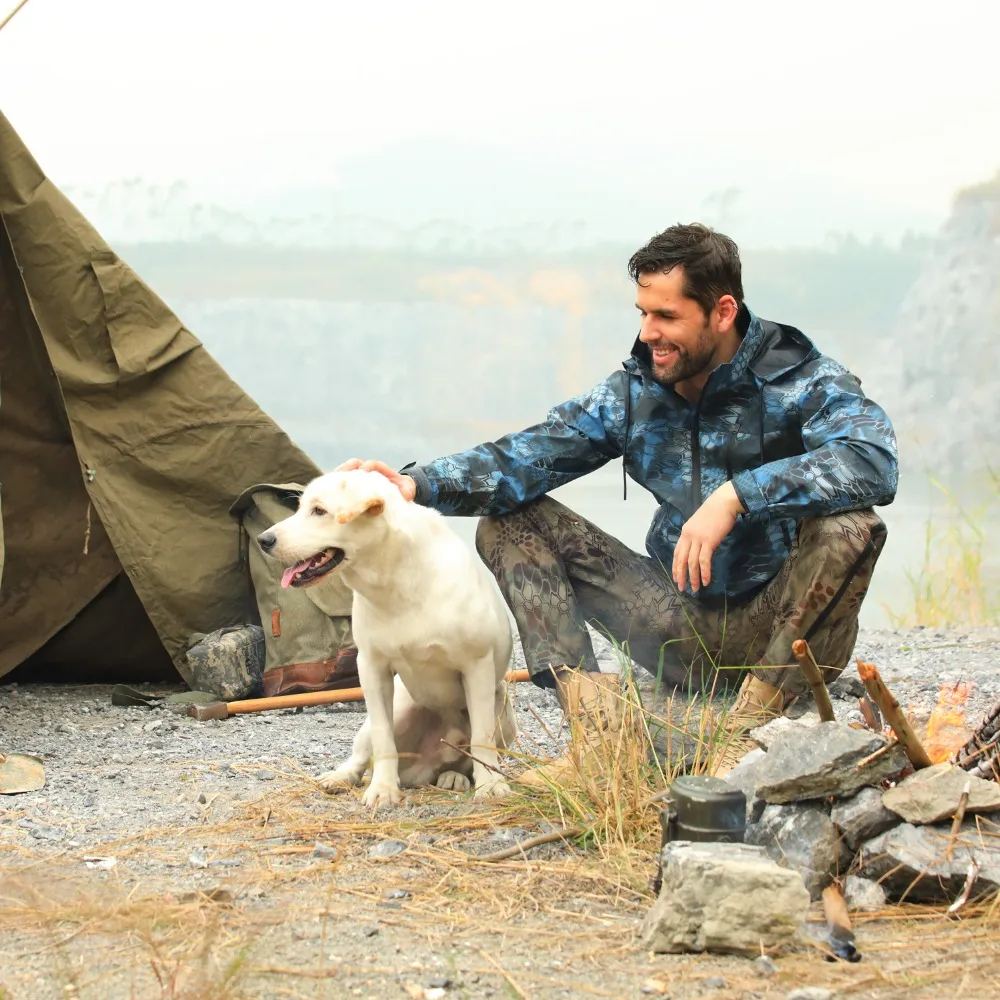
{"points": [[826, 116]]}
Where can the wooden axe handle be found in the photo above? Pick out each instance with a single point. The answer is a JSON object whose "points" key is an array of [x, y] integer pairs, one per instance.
{"points": [[309, 698]]}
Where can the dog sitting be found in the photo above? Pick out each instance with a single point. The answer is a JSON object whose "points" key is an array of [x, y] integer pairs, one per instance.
{"points": [[434, 640]]}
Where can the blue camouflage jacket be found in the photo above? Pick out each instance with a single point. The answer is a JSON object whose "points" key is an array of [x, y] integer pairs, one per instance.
{"points": [[788, 425]]}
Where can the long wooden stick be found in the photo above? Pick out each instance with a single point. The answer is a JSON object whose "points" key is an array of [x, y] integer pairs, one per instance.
{"points": [[893, 714], [309, 698], [814, 676], [7, 19]]}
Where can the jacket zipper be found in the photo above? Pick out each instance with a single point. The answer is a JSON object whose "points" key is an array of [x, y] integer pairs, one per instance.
{"points": [[696, 458]]}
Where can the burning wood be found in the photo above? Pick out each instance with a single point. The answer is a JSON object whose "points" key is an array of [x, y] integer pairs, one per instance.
{"points": [[893, 714], [979, 755]]}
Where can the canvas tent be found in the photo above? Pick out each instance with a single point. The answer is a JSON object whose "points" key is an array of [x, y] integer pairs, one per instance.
{"points": [[122, 446]]}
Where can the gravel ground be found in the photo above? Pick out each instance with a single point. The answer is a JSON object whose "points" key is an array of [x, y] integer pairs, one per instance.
{"points": [[119, 773]]}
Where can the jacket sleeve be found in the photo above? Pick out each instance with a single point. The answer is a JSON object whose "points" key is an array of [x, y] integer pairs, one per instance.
{"points": [[577, 437], [850, 462]]}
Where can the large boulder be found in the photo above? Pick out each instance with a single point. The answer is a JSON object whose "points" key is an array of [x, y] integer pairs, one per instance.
{"points": [[729, 898]]}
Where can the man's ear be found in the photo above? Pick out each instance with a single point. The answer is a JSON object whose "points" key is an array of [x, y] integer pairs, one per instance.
{"points": [[372, 508], [726, 309]]}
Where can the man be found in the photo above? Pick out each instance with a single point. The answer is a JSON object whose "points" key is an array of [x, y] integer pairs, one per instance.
{"points": [[767, 460]]}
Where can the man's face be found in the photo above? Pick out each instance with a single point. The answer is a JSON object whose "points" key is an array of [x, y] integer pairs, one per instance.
{"points": [[681, 338]]}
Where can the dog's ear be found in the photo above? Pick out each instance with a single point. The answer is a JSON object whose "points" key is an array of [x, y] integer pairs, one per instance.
{"points": [[372, 508]]}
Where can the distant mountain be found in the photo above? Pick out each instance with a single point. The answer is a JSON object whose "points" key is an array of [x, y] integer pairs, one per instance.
{"points": [[439, 196], [944, 348]]}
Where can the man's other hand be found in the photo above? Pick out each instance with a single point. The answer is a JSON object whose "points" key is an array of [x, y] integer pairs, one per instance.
{"points": [[405, 484], [702, 535]]}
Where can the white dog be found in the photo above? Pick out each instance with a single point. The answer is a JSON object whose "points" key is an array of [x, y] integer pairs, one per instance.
{"points": [[425, 611]]}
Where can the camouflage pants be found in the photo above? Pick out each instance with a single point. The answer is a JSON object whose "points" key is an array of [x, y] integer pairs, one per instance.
{"points": [[558, 572]]}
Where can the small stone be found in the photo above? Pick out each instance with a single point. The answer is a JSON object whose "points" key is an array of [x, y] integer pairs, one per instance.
{"points": [[931, 794], [862, 816], [40, 832], [813, 762], [439, 983], [764, 965], [433, 993], [656, 987], [202, 798], [714, 983], [847, 686], [396, 894], [863, 894], [326, 851], [702, 902], [802, 836], [386, 849], [265, 776], [369, 932], [198, 859], [810, 993]]}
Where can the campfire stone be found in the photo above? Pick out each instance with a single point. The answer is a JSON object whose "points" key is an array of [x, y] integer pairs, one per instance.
{"points": [[765, 735], [931, 794], [863, 894], [911, 861], [802, 836], [862, 816], [729, 898], [813, 762], [743, 776]]}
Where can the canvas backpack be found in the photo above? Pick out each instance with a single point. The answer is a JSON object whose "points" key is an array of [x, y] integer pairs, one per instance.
{"points": [[307, 632]]}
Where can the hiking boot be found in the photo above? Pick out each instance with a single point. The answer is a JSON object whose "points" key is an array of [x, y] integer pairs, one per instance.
{"points": [[757, 703], [593, 705]]}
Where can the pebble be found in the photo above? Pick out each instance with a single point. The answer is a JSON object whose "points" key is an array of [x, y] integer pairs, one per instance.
{"points": [[764, 965], [386, 849]]}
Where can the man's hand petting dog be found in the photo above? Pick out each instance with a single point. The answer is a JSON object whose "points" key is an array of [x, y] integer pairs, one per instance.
{"points": [[404, 484]]}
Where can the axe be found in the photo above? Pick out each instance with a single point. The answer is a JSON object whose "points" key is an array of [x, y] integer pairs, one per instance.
{"points": [[224, 709]]}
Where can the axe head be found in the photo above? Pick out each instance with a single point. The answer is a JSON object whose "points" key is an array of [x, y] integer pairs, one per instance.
{"points": [[213, 710]]}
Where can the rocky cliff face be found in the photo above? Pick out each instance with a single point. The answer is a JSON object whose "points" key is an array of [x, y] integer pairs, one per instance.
{"points": [[944, 349]]}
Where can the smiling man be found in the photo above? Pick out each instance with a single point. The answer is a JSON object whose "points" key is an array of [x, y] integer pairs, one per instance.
{"points": [[767, 460]]}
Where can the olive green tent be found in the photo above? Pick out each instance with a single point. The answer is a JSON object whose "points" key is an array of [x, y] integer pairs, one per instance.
{"points": [[122, 446]]}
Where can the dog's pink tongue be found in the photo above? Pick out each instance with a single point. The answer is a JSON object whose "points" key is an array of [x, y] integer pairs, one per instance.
{"points": [[289, 574]]}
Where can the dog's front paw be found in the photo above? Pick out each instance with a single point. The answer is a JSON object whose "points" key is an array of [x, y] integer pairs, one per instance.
{"points": [[338, 780], [382, 794], [453, 781], [495, 787]]}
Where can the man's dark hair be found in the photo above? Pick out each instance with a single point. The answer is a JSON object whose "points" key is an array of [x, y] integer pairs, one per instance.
{"points": [[711, 262]]}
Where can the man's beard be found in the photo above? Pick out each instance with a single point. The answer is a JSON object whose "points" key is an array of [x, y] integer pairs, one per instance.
{"points": [[688, 363]]}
